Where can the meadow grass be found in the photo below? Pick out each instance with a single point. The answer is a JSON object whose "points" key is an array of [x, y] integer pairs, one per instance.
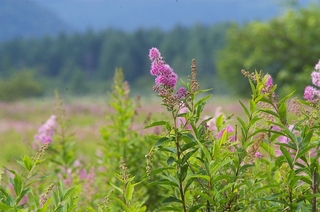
{"points": [[20, 120]]}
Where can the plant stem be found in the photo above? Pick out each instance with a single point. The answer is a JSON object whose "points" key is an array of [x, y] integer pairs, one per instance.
{"points": [[178, 164], [314, 190]]}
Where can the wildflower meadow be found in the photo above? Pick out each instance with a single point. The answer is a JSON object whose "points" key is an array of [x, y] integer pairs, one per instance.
{"points": [[181, 158]]}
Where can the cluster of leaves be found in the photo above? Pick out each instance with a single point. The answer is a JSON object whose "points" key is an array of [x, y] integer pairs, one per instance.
{"points": [[216, 170]]}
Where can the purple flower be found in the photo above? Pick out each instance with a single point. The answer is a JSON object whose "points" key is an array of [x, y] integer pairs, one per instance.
{"points": [[165, 77], [154, 54], [309, 93], [315, 76], [269, 82], [45, 132], [182, 92]]}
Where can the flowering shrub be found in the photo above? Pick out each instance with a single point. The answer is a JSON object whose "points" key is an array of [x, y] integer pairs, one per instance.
{"points": [[267, 161]]}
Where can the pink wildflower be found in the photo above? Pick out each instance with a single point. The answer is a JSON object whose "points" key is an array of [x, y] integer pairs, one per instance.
{"points": [[182, 92], [310, 93], [258, 155], [154, 53], [269, 84], [315, 76], [165, 76], [45, 132]]}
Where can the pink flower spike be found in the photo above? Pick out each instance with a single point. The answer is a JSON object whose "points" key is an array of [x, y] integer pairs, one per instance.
{"points": [[154, 54], [269, 82], [45, 132]]}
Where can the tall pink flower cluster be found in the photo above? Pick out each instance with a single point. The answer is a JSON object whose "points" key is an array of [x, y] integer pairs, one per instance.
{"points": [[166, 78], [311, 93], [45, 132]]}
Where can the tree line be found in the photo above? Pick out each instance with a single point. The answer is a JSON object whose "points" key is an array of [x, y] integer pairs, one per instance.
{"points": [[93, 56]]}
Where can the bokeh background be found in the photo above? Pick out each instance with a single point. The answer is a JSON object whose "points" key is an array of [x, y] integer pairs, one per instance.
{"points": [[75, 45]]}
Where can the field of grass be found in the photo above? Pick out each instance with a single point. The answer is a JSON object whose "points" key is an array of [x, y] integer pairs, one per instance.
{"points": [[20, 120]]}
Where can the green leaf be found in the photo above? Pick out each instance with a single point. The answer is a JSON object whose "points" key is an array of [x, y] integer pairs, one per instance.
{"points": [[68, 193], [157, 123], [195, 208], [187, 156], [215, 166], [22, 194], [4, 206], [170, 200], [170, 160], [17, 184], [161, 140], [90, 209], [245, 109], [183, 172], [116, 187], [283, 113], [244, 167], [287, 156], [129, 192], [27, 162]]}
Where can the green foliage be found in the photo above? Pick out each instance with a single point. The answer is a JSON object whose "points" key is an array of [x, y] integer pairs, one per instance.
{"points": [[285, 47], [20, 85]]}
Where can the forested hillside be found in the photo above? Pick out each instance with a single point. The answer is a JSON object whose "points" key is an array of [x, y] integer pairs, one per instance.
{"points": [[80, 60]]}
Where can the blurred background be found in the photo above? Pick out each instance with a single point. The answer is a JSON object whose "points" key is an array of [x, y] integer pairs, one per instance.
{"points": [[75, 45]]}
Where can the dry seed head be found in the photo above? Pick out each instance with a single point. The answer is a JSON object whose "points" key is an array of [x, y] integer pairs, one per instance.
{"points": [[194, 82]]}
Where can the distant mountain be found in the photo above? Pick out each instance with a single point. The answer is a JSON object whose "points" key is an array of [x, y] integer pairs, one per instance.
{"points": [[165, 14], [25, 19]]}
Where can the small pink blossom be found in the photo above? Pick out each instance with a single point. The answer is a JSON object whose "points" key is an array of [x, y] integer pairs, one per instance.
{"points": [[310, 93], [258, 155], [269, 82], [182, 92], [154, 53], [315, 76]]}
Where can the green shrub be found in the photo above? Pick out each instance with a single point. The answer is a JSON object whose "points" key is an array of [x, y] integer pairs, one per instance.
{"points": [[20, 85]]}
